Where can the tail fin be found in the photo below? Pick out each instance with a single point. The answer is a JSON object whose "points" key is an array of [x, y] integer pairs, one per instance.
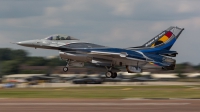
{"points": [[165, 40]]}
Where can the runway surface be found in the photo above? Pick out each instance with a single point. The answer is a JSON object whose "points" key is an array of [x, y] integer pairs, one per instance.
{"points": [[99, 105], [69, 84]]}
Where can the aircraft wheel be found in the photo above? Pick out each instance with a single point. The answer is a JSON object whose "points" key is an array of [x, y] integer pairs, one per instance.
{"points": [[109, 74], [114, 75], [65, 69]]}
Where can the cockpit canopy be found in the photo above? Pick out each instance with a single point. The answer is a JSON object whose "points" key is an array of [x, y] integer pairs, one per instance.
{"points": [[60, 37]]}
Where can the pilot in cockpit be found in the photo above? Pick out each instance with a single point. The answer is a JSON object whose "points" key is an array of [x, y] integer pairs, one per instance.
{"points": [[60, 37]]}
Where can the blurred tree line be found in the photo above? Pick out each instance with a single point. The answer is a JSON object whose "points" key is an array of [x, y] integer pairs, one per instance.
{"points": [[11, 60]]}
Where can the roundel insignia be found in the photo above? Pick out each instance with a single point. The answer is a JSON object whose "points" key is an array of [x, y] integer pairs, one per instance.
{"points": [[163, 39], [169, 34]]}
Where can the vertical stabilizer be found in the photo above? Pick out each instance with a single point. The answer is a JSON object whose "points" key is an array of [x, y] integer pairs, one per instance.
{"points": [[165, 40]]}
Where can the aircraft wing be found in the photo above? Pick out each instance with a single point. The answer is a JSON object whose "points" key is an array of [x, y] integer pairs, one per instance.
{"points": [[137, 57], [124, 55], [109, 54], [105, 58]]}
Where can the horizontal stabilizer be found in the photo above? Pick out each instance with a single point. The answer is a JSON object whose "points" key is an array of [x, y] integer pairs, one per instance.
{"points": [[168, 53]]}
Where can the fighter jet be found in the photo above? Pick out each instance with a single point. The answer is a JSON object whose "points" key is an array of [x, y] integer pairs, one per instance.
{"points": [[154, 54]]}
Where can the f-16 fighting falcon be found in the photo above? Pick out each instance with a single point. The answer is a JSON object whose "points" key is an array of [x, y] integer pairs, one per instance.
{"points": [[155, 54]]}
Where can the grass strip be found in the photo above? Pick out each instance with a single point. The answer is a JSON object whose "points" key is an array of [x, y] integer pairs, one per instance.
{"points": [[104, 92]]}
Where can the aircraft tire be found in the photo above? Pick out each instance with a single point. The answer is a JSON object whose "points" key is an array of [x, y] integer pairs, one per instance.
{"points": [[65, 69], [114, 75], [109, 74]]}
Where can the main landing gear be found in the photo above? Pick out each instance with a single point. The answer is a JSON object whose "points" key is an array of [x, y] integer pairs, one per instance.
{"points": [[110, 74], [65, 69]]}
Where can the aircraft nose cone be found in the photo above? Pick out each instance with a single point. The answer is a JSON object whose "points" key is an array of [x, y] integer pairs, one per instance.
{"points": [[19, 43], [25, 43]]}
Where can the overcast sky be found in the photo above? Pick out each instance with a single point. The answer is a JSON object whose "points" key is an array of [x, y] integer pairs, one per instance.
{"points": [[115, 23]]}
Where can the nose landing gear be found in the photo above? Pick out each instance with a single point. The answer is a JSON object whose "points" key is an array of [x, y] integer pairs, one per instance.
{"points": [[65, 69]]}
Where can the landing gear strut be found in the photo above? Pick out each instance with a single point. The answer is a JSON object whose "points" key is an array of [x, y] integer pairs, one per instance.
{"points": [[65, 69], [110, 74]]}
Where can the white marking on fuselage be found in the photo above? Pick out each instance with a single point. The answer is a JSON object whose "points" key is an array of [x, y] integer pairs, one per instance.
{"points": [[147, 58]]}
